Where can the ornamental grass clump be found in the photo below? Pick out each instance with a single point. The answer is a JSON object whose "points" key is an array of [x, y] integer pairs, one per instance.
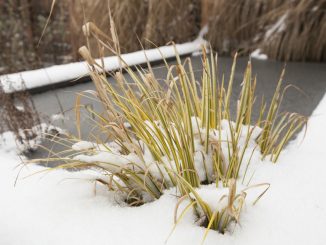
{"points": [[176, 133]]}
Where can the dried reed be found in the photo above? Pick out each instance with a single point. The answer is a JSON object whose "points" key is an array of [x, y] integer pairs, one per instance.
{"points": [[299, 33], [130, 18], [235, 26], [172, 20]]}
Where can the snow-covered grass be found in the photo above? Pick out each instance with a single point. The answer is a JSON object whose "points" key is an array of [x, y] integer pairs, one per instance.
{"points": [[178, 139], [62, 207], [180, 136]]}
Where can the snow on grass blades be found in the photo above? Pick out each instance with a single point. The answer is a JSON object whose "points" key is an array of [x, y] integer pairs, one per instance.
{"points": [[179, 133]]}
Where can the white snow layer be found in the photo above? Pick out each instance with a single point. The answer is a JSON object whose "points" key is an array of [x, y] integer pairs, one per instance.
{"points": [[279, 26], [62, 207], [61, 73], [102, 155], [257, 54]]}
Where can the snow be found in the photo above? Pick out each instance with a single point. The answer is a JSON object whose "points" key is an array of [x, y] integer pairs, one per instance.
{"points": [[69, 72], [31, 139], [277, 27], [101, 155], [257, 54], [57, 117], [82, 145], [61, 207]]}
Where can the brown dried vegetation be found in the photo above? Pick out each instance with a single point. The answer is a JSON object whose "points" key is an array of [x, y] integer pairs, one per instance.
{"points": [[292, 30], [18, 115]]}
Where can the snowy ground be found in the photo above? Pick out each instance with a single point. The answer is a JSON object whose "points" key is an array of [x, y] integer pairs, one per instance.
{"points": [[62, 207]]}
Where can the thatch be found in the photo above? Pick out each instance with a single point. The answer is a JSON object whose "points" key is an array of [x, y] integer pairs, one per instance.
{"points": [[172, 20]]}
